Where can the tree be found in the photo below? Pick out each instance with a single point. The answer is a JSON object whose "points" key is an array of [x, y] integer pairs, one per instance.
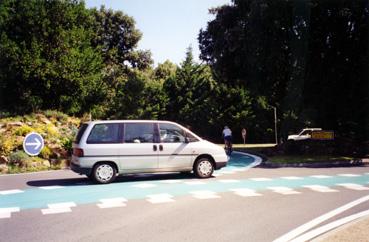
{"points": [[307, 58], [47, 59]]}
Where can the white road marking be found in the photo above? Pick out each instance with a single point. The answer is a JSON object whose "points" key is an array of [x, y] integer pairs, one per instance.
{"points": [[216, 174], [349, 175], [229, 181], [191, 183], [321, 176], [321, 230], [144, 185], [160, 198], [260, 179], [171, 181], [204, 194], [319, 188], [51, 187], [226, 172], [307, 226], [8, 192], [112, 202], [7, 212], [353, 186], [283, 190], [55, 208], [239, 169], [291, 177], [245, 192]]}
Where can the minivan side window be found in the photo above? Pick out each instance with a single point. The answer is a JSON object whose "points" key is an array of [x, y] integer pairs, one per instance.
{"points": [[81, 131], [104, 134], [139, 133], [170, 133]]}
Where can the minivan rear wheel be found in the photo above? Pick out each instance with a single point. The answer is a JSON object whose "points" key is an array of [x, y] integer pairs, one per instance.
{"points": [[204, 168], [104, 173]]}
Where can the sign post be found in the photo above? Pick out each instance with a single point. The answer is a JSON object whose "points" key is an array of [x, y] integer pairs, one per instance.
{"points": [[244, 135], [33, 144]]}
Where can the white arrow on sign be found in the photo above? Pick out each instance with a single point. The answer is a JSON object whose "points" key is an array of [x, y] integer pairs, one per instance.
{"points": [[37, 144]]}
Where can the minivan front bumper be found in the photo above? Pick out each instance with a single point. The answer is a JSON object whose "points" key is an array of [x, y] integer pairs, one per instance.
{"points": [[219, 165]]}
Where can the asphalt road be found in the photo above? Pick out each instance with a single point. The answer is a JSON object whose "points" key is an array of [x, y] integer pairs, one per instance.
{"points": [[238, 204]]}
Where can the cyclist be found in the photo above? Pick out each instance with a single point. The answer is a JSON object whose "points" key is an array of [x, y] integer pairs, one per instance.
{"points": [[227, 135]]}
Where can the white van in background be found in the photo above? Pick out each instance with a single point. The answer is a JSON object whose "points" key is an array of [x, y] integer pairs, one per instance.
{"points": [[104, 149]]}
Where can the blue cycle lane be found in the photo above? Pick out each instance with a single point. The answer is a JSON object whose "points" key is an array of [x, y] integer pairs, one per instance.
{"points": [[89, 193]]}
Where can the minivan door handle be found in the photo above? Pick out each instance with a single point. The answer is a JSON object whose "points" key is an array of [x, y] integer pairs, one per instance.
{"points": [[154, 147], [161, 147]]}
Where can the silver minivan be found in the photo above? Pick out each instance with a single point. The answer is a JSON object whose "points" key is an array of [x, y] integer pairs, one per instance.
{"points": [[104, 149]]}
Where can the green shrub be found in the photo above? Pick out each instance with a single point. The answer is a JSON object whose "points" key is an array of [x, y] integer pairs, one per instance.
{"points": [[18, 157], [46, 152], [67, 144], [23, 130], [7, 145]]}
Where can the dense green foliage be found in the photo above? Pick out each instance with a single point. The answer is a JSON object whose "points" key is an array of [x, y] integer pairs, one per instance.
{"points": [[307, 58]]}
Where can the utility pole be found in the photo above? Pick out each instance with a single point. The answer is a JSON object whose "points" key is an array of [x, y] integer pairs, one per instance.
{"points": [[275, 124]]}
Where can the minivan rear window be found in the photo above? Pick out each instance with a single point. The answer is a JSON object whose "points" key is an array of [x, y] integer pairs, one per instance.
{"points": [[81, 131], [104, 133]]}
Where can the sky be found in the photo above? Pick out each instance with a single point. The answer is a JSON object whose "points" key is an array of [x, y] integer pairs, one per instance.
{"points": [[169, 27]]}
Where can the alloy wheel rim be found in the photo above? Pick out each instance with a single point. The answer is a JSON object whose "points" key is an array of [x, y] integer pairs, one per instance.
{"points": [[105, 172], [205, 168]]}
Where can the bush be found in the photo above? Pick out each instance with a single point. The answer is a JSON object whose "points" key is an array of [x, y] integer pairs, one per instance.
{"points": [[67, 144], [23, 130], [7, 145], [18, 157], [46, 152]]}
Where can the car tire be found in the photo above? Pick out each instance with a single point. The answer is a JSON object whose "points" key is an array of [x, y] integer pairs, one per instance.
{"points": [[104, 173], [203, 168]]}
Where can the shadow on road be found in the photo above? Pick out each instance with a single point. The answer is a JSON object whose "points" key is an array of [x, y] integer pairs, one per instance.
{"points": [[83, 181]]}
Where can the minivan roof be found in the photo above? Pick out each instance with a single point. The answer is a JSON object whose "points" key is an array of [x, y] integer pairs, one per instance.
{"points": [[129, 121], [140, 121]]}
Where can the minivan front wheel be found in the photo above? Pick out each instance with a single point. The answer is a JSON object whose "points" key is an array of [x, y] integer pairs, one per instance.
{"points": [[104, 173], [204, 168]]}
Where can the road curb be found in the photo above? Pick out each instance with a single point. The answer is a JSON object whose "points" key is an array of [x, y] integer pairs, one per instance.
{"points": [[324, 164]]}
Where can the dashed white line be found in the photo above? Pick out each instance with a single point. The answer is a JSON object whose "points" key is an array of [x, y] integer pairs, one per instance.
{"points": [[216, 174], [229, 181], [51, 187], [226, 172], [321, 176], [319, 188], [171, 181], [160, 198], [245, 192], [204, 194], [55, 208], [349, 175], [112, 202], [291, 178], [7, 212], [283, 190], [144, 185], [260, 179], [8, 192], [353, 186], [193, 183]]}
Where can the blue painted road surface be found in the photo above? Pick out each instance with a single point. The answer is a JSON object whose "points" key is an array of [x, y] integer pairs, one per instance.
{"points": [[81, 191]]}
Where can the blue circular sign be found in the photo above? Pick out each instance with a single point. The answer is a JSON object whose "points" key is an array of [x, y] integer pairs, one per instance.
{"points": [[33, 144]]}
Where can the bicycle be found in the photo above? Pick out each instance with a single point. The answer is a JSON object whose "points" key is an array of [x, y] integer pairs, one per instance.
{"points": [[228, 147]]}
